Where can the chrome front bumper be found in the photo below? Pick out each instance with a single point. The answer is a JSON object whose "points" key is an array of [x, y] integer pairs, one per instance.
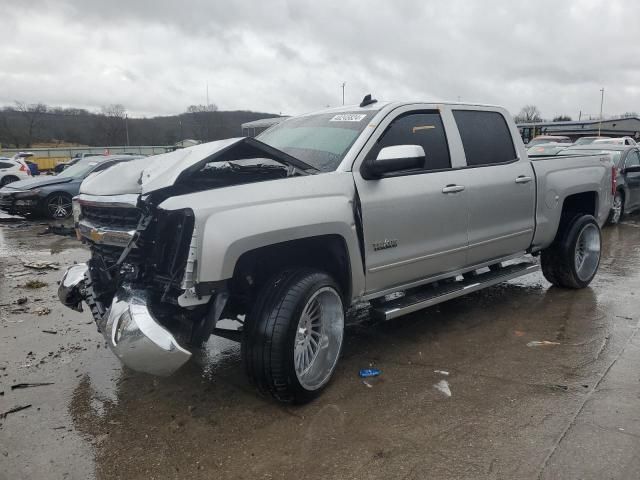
{"points": [[128, 326]]}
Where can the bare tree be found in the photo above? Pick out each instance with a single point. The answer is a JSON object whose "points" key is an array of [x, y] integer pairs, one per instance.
{"points": [[562, 118], [33, 115], [112, 124], [202, 117], [629, 115], [529, 114]]}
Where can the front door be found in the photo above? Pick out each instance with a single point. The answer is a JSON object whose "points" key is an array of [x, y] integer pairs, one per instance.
{"points": [[412, 228]]}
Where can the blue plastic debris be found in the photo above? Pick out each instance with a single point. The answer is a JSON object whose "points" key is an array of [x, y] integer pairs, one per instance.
{"points": [[369, 372]]}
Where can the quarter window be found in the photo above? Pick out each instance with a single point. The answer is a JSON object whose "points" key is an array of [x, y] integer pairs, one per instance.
{"points": [[485, 136], [424, 129]]}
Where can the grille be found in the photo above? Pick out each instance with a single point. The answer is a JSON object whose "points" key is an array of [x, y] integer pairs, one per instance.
{"points": [[120, 217]]}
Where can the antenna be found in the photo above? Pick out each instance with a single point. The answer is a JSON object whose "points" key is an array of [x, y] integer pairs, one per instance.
{"points": [[207, 96]]}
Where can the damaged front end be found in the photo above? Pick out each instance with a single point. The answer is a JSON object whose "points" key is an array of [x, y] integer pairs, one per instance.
{"points": [[139, 258], [141, 281]]}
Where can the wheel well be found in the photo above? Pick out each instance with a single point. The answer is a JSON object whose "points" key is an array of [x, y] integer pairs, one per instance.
{"points": [[585, 203], [621, 190], [327, 253]]}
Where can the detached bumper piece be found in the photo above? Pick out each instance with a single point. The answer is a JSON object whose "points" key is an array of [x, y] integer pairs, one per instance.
{"points": [[128, 326]]}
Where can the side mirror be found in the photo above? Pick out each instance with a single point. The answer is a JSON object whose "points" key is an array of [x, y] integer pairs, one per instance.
{"points": [[395, 159], [632, 169]]}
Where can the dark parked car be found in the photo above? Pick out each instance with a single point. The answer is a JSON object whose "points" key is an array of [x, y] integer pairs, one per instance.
{"points": [[627, 164], [51, 196]]}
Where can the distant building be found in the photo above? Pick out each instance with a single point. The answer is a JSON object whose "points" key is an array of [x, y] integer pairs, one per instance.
{"points": [[618, 127], [251, 129]]}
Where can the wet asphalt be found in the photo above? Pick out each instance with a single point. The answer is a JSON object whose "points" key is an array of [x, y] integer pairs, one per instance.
{"points": [[518, 381]]}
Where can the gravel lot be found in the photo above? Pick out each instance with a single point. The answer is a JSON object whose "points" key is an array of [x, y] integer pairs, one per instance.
{"points": [[518, 381]]}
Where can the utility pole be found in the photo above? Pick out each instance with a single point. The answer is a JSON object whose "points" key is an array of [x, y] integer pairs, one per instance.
{"points": [[601, 104], [344, 84], [126, 127]]}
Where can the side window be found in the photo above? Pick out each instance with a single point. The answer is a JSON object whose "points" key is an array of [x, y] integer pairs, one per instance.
{"points": [[633, 159], [5, 165], [103, 166], [485, 137], [424, 129]]}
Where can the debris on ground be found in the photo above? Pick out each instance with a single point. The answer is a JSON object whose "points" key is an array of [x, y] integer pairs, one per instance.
{"points": [[518, 333], [40, 311], [441, 372], [52, 332], [443, 387], [14, 410], [367, 384], [543, 343], [42, 265], [559, 387], [22, 300], [59, 230], [30, 385], [369, 372], [33, 284]]}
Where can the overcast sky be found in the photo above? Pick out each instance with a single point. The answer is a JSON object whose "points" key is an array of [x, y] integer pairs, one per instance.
{"points": [[156, 57]]}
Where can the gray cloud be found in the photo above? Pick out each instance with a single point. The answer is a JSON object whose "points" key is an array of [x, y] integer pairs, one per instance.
{"points": [[156, 57]]}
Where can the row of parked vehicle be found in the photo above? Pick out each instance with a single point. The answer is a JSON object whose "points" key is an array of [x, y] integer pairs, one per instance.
{"points": [[23, 193], [624, 152]]}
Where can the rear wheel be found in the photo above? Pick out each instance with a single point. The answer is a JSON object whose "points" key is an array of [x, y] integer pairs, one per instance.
{"points": [[58, 206], [7, 179], [617, 209], [573, 259], [293, 336]]}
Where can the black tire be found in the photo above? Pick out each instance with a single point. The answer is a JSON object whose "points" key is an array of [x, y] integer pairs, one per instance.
{"points": [[271, 329], [558, 261], [7, 179], [58, 206], [614, 216]]}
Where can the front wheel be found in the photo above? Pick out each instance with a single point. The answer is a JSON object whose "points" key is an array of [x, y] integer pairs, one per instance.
{"points": [[617, 209], [7, 179], [293, 336], [573, 259], [59, 206]]}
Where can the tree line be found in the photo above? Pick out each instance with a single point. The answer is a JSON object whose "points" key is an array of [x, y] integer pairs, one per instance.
{"points": [[23, 125]]}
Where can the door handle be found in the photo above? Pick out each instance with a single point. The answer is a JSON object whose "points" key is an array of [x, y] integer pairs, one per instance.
{"points": [[453, 189], [523, 179]]}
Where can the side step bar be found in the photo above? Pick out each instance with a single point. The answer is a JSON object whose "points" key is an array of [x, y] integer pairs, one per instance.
{"points": [[417, 299]]}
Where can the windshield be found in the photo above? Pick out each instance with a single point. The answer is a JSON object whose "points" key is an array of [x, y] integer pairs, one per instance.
{"points": [[587, 140], [320, 140], [79, 169]]}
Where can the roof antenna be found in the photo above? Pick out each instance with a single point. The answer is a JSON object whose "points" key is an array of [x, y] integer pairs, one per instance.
{"points": [[367, 100]]}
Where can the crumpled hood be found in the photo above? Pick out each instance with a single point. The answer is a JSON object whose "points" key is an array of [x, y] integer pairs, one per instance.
{"points": [[152, 173]]}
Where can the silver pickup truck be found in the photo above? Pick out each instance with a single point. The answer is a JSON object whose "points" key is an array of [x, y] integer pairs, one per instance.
{"points": [[369, 211]]}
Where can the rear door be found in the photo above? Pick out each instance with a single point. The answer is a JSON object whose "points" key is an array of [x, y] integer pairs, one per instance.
{"points": [[632, 180], [412, 229], [500, 187]]}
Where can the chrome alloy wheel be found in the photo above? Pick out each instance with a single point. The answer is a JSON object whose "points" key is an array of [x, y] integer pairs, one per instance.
{"points": [[59, 206], [587, 253], [318, 338]]}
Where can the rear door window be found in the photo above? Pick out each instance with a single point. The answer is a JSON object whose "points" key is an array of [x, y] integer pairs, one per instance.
{"points": [[419, 128], [485, 137], [633, 159]]}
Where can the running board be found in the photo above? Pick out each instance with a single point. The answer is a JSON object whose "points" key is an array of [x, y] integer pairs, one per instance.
{"points": [[417, 299]]}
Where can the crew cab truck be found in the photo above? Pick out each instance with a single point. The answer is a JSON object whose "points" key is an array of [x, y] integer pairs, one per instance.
{"points": [[381, 208]]}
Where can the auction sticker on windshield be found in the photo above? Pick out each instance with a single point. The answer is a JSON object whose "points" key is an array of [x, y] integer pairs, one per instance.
{"points": [[348, 117]]}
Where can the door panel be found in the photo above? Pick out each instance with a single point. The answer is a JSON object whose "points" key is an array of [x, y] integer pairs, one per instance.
{"points": [[501, 210], [427, 227]]}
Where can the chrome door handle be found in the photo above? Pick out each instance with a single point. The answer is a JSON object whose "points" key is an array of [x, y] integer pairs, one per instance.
{"points": [[523, 179], [453, 189]]}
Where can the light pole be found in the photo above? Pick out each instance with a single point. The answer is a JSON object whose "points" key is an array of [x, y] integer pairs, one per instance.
{"points": [[344, 84], [601, 103], [126, 127]]}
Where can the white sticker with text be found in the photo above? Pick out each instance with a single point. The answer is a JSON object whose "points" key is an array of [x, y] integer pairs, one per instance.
{"points": [[348, 117]]}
